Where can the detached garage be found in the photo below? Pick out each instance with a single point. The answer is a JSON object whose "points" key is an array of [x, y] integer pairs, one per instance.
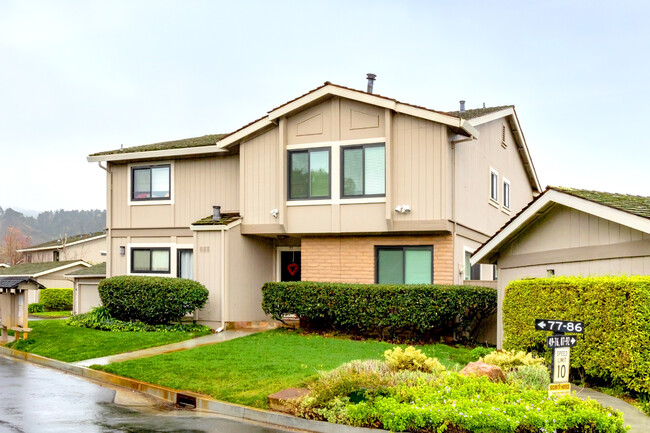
{"points": [[86, 281], [570, 232]]}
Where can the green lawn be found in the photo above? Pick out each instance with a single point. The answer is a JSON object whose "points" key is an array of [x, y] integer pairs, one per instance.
{"points": [[51, 314], [246, 370], [55, 339]]}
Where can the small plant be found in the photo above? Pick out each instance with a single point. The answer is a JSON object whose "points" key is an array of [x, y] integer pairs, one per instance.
{"points": [[529, 376], [508, 360], [35, 308], [480, 351], [411, 359]]}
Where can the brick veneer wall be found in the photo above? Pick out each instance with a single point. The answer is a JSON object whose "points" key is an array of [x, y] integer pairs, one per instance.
{"points": [[351, 259]]}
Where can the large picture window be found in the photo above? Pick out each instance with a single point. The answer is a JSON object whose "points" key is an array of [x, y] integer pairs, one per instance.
{"points": [[404, 265], [151, 182], [363, 171], [309, 174], [150, 260]]}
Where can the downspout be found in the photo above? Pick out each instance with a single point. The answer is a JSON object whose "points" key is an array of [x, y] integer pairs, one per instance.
{"points": [[223, 281], [109, 207]]}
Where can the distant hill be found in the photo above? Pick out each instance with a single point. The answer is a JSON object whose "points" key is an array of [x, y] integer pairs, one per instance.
{"points": [[52, 224]]}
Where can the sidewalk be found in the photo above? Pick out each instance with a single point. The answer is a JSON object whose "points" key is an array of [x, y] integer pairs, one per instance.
{"points": [[637, 420], [158, 350]]}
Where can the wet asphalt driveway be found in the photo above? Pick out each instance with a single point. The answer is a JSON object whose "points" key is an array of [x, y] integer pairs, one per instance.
{"points": [[34, 399]]}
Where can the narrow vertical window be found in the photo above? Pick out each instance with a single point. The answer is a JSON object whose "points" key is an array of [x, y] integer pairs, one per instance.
{"points": [[506, 194], [494, 185], [185, 264], [471, 272], [309, 174]]}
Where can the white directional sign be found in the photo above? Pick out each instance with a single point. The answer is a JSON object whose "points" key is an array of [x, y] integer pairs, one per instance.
{"points": [[561, 357], [561, 341], [559, 325]]}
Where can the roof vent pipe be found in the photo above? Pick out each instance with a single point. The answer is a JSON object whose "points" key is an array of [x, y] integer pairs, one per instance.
{"points": [[371, 81], [216, 213], [462, 106]]}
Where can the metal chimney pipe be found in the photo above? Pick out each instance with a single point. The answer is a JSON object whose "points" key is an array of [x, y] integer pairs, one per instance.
{"points": [[371, 81], [462, 106], [216, 213]]}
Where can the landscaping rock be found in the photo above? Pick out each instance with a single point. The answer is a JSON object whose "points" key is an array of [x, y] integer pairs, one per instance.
{"points": [[277, 400], [494, 373]]}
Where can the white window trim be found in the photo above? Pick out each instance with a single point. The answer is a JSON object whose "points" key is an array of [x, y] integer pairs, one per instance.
{"points": [[278, 259], [335, 173], [150, 202], [492, 201], [506, 209], [173, 258]]}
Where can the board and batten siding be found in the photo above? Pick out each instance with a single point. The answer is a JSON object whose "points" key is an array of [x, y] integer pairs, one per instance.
{"points": [[260, 178], [198, 184], [473, 162], [207, 270]]}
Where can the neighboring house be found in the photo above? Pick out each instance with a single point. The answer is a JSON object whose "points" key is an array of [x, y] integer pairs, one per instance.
{"points": [[86, 281], [575, 232], [89, 247], [48, 274], [336, 185]]}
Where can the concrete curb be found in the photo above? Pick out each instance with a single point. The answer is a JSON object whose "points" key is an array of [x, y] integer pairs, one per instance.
{"points": [[203, 402]]}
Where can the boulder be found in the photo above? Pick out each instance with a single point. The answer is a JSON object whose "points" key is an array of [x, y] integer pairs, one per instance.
{"points": [[278, 400], [494, 373]]}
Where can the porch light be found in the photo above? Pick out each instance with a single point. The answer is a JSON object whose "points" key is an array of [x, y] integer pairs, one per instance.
{"points": [[122, 251]]}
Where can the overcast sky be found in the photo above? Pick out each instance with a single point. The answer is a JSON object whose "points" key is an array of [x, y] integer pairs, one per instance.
{"points": [[77, 77]]}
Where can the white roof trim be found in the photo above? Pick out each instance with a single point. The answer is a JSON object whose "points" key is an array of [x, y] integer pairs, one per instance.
{"points": [[85, 276], [49, 271], [213, 228], [165, 153], [332, 90], [56, 247], [553, 196], [492, 116]]}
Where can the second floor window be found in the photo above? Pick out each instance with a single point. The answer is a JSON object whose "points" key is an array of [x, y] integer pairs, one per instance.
{"points": [[506, 194], [494, 185], [151, 183], [363, 171], [309, 174], [150, 260]]}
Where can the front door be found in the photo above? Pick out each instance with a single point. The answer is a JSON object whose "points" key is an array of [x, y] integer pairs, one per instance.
{"points": [[290, 268]]}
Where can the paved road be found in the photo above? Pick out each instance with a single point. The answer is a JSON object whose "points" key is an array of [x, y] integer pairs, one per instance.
{"points": [[40, 400]]}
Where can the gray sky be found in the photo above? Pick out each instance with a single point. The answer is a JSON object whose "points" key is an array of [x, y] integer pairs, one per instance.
{"points": [[77, 77]]}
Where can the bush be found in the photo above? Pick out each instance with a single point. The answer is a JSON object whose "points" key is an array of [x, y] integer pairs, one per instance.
{"points": [[412, 359], [152, 300], [480, 351], [35, 308], [508, 360], [56, 299], [530, 376], [99, 318], [383, 310], [616, 316]]}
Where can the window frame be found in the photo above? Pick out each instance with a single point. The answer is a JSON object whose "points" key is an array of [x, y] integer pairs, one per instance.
{"points": [[363, 169], [494, 192], [476, 267], [56, 256], [178, 260], [402, 248], [506, 197], [151, 250], [149, 167], [329, 172]]}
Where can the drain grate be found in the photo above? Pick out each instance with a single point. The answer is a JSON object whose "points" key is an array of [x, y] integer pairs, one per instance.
{"points": [[185, 401]]}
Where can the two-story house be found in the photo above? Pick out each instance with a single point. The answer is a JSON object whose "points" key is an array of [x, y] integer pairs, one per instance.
{"points": [[89, 247], [336, 185]]}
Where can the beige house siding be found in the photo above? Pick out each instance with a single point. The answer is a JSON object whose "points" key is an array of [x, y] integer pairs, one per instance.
{"points": [[208, 271], [89, 252], [120, 264], [259, 173], [473, 162], [571, 243], [54, 280], [351, 259], [86, 295]]}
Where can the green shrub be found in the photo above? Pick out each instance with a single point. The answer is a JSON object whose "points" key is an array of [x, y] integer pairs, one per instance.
{"points": [[100, 318], [616, 316], [35, 308], [480, 351], [152, 300], [508, 360], [530, 376], [56, 299], [412, 359], [383, 310]]}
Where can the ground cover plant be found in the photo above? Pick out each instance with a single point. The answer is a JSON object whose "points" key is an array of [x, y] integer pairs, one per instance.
{"points": [[417, 311], [99, 318], [54, 339], [246, 370], [52, 314], [383, 395]]}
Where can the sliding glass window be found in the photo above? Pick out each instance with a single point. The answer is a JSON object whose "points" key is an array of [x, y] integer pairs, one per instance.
{"points": [[363, 171], [404, 265], [309, 174]]}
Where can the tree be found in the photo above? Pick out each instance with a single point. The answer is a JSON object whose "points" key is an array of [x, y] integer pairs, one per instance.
{"points": [[14, 240]]}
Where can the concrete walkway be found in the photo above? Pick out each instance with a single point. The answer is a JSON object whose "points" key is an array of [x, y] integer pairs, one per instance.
{"points": [[637, 420], [174, 347]]}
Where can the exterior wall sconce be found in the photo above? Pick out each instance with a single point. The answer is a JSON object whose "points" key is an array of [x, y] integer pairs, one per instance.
{"points": [[403, 208], [275, 212], [122, 251]]}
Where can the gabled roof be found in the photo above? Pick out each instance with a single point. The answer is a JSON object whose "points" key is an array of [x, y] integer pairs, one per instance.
{"points": [[37, 269], [206, 144], [628, 210], [72, 240], [98, 270], [8, 283], [473, 113]]}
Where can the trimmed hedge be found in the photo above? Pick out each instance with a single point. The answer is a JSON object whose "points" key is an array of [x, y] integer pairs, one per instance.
{"points": [[152, 300], [615, 345], [56, 299], [383, 310]]}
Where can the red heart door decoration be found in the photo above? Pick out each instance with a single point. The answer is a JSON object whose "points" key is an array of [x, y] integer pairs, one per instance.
{"points": [[292, 268]]}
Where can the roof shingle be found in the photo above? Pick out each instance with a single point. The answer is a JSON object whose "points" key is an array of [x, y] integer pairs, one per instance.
{"points": [[33, 268], [633, 204], [98, 269], [69, 240], [478, 112], [226, 218], [205, 140]]}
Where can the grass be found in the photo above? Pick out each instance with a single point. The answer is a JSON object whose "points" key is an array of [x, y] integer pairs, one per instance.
{"points": [[51, 314], [246, 370], [54, 339]]}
